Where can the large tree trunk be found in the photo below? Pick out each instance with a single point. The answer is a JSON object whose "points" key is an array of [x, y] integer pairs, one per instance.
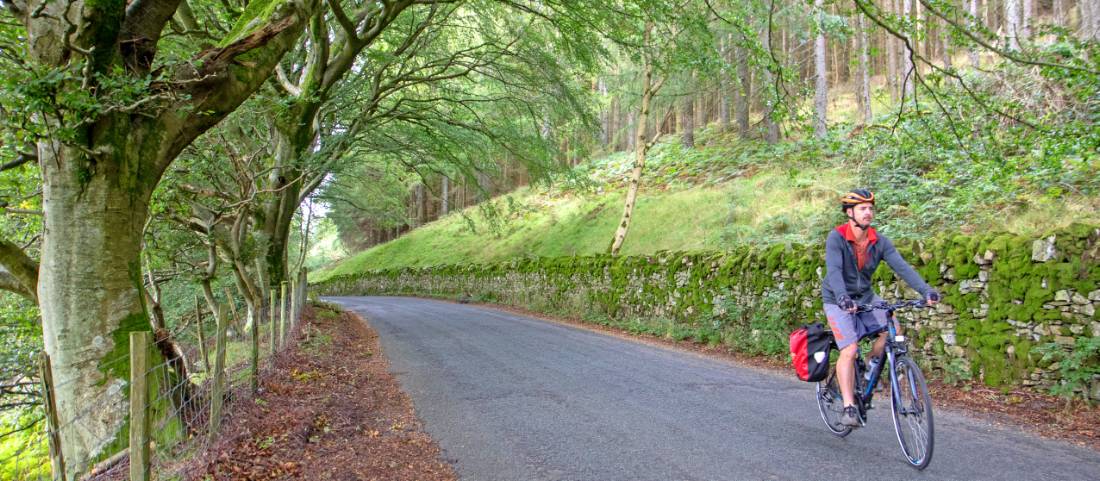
{"points": [[892, 58], [821, 79], [864, 93], [972, 9], [605, 115], [418, 192], [1025, 20], [724, 86], [908, 74], [89, 285], [1012, 24], [945, 43], [687, 121], [744, 92], [294, 133], [274, 234], [1089, 28], [770, 97], [445, 198]]}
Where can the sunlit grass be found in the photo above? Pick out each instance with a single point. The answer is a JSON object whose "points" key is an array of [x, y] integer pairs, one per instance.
{"points": [[545, 223]]}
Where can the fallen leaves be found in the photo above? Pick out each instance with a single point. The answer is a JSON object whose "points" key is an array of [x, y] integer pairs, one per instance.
{"points": [[332, 411]]}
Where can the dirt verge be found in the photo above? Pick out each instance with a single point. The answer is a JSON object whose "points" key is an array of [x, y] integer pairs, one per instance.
{"points": [[329, 410]]}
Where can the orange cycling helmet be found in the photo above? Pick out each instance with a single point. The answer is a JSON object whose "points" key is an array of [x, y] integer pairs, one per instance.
{"points": [[856, 197]]}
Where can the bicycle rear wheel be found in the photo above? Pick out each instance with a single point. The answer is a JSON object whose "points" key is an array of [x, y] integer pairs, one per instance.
{"points": [[912, 409], [831, 405]]}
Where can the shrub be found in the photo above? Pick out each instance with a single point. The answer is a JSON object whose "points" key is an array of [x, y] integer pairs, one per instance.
{"points": [[1078, 365]]}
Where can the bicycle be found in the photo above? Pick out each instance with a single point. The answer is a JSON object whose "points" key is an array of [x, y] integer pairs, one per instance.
{"points": [[910, 403]]}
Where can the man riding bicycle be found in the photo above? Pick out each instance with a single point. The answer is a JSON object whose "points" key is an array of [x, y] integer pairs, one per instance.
{"points": [[852, 253]]}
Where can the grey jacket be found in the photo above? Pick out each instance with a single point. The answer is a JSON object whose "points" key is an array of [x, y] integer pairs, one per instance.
{"points": [[842, 275]]}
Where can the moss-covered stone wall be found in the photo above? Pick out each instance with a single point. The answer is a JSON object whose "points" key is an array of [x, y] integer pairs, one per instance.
{"points": [[1003, 294]]}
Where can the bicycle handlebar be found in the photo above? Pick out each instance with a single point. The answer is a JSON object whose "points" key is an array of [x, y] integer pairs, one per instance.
{"points": [[891, 307]]}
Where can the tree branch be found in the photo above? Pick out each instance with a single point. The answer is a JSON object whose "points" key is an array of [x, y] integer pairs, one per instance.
{"points": [[285, 83], [343, 20], [145, 20], [20, 159], [230, 80], [19, 270]]}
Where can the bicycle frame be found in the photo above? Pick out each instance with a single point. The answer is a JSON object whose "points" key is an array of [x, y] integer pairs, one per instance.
{"points": [[895, 345], [889, 355]]}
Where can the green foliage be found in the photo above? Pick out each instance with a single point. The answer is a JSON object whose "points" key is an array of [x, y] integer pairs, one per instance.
{"points": [[24, 454], [956, 371], [769, 325], [937, 168], [1078, 366]]}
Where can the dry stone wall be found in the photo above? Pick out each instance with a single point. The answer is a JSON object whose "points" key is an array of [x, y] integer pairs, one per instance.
{"points": [[1004, 295]]}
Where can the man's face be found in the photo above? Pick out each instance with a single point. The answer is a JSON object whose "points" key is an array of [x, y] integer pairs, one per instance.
{"points": [[863, 213]]}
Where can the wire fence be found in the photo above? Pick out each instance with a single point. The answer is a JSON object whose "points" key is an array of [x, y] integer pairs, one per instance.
{"points": [[172, 410]]}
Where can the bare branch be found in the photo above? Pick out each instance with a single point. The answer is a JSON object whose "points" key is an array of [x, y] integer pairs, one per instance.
{"points": [[285, 83], [20, 159]]}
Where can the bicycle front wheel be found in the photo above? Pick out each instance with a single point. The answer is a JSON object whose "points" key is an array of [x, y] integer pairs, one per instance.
{"points": [[831, 405], [912, 409]]}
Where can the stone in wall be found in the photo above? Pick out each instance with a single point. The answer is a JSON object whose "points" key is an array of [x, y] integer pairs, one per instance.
{"points": [[1042, 250]]}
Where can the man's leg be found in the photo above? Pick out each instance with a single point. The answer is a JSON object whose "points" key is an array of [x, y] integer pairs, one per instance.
{"points": [[846, 335], [846, 373], [878, 321], [880, 345]]}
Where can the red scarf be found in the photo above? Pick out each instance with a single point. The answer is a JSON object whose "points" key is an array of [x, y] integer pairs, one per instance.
{"points": [[860, 248]]}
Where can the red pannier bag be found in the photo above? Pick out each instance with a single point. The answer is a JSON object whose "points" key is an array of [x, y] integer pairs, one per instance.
{"points": [[810, 348]]}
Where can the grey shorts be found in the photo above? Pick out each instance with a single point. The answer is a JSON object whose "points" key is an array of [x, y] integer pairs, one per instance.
{"points": [[849, 328]]}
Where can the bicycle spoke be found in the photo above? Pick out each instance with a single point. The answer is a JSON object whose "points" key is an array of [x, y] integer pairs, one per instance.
{"points": [[912, 414], [831, 407], [921, 439]]}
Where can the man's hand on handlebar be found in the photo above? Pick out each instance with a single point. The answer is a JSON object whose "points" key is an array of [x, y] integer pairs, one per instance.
{"points": [[845, 302], [933, 297]]}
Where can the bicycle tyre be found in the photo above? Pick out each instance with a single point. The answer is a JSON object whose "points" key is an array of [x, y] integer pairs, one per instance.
{"points": [[911, 407], [831, 405]]}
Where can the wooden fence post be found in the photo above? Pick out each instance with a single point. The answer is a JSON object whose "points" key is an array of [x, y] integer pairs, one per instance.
{"points": [[202, 336], [139, 405], [293, 314], [257, 313], [303, 288], [57, 461], [282, 314], [271, 320], [219, 376]]}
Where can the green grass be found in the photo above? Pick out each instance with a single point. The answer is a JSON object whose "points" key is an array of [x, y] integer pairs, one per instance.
{"points": [[547, 222]]}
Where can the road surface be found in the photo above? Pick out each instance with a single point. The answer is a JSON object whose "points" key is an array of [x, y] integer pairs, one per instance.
{"points": [[512, 398]]}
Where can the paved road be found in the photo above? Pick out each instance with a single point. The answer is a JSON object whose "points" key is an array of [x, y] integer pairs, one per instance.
{"points": [[514, 398]]}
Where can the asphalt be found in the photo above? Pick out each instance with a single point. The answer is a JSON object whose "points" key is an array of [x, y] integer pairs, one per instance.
{"points": [[509, 397]]}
